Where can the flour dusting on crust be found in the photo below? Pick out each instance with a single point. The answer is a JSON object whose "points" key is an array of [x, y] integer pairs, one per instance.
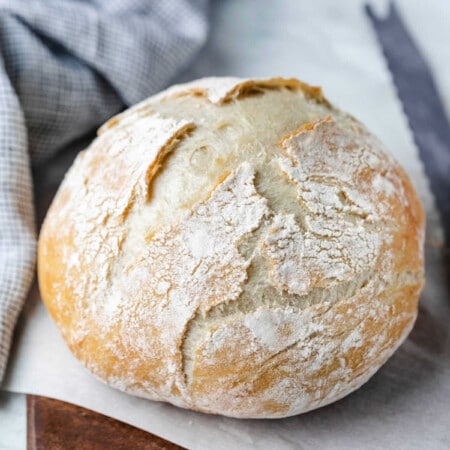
{"points": [[216, 90], [95, 196], [333, 170], [220, 90], [189, 266], [281, 284]]}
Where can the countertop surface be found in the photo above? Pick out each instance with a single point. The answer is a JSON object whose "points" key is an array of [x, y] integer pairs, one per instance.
{"points": [[12, 421]]}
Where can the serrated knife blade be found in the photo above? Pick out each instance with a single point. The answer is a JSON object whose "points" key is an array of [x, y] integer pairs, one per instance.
{"points": [[421, 102]]}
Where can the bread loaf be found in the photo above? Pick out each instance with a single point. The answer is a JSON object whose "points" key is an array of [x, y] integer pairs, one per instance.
{"points": [[236, 247]]}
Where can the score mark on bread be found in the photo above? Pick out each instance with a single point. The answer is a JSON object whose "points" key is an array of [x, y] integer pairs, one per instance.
{"points": [[236, 247]]}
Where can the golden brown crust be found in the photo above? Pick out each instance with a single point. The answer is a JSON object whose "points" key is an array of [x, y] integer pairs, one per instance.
{"points": [[220, 91], [297, 363], [292, 279], [256, 87]]}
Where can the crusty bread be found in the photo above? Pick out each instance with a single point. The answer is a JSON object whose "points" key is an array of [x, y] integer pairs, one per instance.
{"points": [[235, 247]]}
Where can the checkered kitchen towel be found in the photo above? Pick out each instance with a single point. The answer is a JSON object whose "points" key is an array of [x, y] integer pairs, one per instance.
{"points": [[65, 67]]}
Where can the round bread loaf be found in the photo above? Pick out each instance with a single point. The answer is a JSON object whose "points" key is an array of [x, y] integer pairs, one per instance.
{"points": [[237, 247]]}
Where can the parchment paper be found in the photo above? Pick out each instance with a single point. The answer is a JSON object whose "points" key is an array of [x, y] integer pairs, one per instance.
{"points": [[407, 403]]}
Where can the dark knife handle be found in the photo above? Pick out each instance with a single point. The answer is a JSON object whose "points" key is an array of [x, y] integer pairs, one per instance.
{"points": [[56, 425]]}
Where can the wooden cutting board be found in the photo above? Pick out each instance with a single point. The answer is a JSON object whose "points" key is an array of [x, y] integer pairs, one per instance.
{"points": [[56, 425]]}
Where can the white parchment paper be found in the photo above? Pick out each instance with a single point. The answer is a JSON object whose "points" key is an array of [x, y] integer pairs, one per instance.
{"points": [[407, 403]]}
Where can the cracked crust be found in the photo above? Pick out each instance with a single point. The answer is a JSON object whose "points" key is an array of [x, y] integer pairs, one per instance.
{"points": [[237, 247], [218, 91]]}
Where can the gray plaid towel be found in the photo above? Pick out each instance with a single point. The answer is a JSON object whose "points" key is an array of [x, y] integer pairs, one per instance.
{"points": [[65, 67]]}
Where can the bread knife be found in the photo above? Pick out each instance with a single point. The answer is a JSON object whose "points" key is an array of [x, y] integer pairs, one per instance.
{"points": [[421, 102]]}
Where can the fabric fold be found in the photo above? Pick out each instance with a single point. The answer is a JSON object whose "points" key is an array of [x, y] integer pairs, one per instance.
{"points": [[66, 68]]}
